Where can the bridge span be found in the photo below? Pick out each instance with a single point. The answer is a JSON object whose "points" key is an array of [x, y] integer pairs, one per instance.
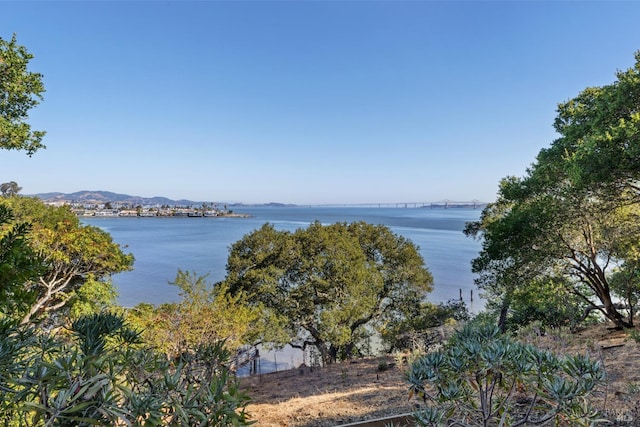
{"points": [[446, 204]]}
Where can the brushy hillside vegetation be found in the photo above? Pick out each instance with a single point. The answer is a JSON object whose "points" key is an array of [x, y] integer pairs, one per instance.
{"points": [[376, 387]]}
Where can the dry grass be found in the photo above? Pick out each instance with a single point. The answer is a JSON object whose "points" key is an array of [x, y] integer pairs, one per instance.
{"points": [[619, 398], [328, 396], [358, 390]]}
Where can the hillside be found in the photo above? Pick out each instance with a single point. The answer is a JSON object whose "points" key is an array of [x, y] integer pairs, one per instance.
{"points": [[356, 391], [107, 196], [101, 197]]}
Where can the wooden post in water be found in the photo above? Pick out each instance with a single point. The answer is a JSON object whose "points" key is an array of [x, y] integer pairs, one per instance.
{"points": [[460, 294], [254, 362]]}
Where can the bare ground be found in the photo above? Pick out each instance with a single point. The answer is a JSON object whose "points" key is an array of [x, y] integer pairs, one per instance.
{"points": [[360, 390]]}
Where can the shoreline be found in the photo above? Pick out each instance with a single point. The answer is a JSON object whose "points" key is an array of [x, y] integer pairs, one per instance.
{"points": [[116, 215]]}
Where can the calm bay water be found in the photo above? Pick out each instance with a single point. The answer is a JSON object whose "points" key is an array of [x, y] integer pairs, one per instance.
{"points": [[161, 246]]}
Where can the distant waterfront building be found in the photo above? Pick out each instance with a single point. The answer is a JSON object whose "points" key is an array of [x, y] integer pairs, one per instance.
{"points": [[106, 212]]}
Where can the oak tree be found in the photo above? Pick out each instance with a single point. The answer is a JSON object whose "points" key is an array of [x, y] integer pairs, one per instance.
{"points": [[599, 143], [573, 218], [8, 189], [329, 286]]}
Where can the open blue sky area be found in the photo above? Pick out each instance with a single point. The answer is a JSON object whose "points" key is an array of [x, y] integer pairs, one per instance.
{"points": [[306, 102]]}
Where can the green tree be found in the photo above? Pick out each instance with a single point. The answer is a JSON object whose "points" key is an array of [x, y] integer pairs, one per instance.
{"points": [[625, 282], [72, 257], [18, 264], [420, 330], [574, 216], [599, 143], [20, 90], [549, 301], [329, 286], [564, 233], [8, 189]]}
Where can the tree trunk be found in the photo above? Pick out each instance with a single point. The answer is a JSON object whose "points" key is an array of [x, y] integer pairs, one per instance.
{"points": [[630, 304], [327, 354], [612, 313], [348, 350], [504, 310], [333, 355]]}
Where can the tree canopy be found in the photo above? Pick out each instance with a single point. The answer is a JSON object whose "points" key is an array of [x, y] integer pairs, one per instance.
{"points": [[20, 91], [18, 264], [573, 218], [599, 143], [327, 286], [76, 261], [8, 189]]}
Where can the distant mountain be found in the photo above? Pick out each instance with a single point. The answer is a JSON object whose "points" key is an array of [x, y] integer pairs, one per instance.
{"points": [[100, 197]]}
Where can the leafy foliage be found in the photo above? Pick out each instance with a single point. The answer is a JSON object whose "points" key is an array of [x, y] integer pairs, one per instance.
{"points": [[625, 283], [71, 256], [20, 90], [485, 378], [328, 286], [599, 144], [18, 264], [573, 219], [206, 315], [547, 301], [101, 374], [8, 189], [418, 331]]}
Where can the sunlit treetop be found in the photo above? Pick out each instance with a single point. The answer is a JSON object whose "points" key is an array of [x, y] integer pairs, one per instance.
{"points": [[20, 91]]}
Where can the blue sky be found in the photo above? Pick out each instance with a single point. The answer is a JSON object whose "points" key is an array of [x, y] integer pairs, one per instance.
{"points": [[306, 102]]}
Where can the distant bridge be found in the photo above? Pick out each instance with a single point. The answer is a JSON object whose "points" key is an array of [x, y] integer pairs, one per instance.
{"points": [[446, 204]]}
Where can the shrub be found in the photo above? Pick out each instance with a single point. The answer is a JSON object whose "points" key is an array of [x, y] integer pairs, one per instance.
{"points": [[101, 374], [423, 330], [383, 366], [486, 378]]}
